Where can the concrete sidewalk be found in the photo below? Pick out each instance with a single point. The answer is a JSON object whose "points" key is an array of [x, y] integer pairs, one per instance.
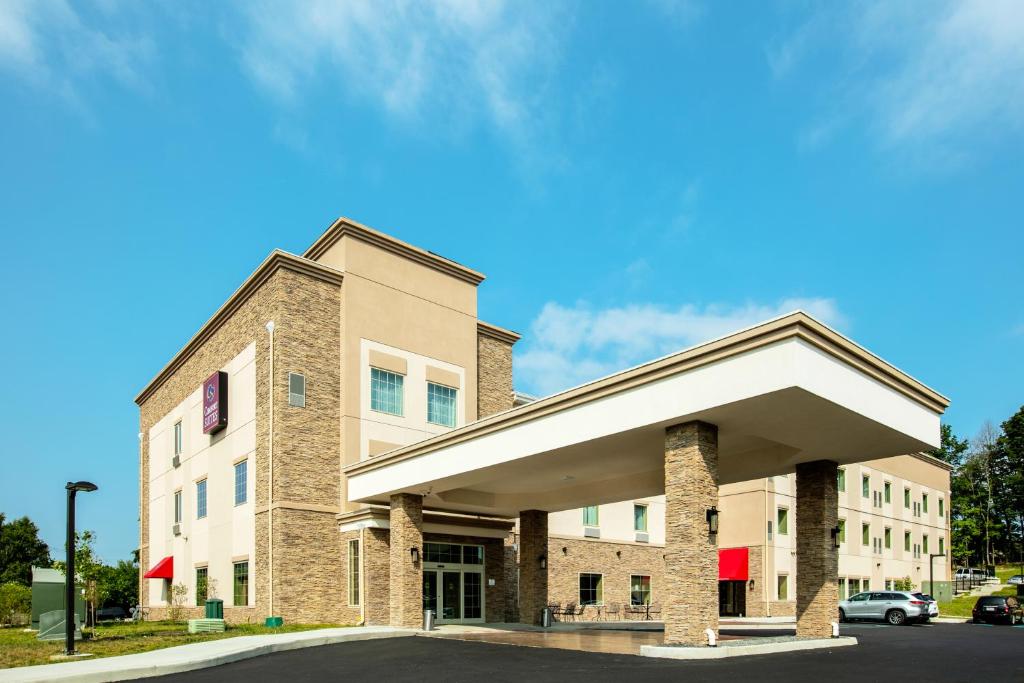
{"points": [[191, 657]]}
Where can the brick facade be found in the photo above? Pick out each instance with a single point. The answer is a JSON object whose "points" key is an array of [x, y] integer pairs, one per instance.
{"points": [[533, 581], [817, 559], [691, 572], [494, 368], [406, 577], [377, 576]]}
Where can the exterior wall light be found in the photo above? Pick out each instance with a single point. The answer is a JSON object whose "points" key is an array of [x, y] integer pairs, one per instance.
{"points": [[751, 584], [835, 536], [414, 553], [712, 516], [543, 561], [565, 550]]}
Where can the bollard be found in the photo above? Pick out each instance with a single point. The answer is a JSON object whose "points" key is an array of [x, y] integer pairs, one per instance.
{"points": [[545, 617], [428, 620]]}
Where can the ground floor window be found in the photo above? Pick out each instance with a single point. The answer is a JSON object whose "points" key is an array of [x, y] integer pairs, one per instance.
{"points": [[591, 589], [353, 572], [639, 590], [842, 588], [241, 584], [854, 586], [201, 586], [783, 587]]}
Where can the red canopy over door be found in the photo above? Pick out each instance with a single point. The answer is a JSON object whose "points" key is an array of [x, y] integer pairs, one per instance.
{"points": [[164, 569], [733, 564]]}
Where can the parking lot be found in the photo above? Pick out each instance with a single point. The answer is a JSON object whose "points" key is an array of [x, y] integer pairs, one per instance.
{"points": [[934, 652]]}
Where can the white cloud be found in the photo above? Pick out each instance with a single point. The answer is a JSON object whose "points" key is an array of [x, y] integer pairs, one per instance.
{"points": [[49, 44], [458, 59], [926, 77], [570, 345]]}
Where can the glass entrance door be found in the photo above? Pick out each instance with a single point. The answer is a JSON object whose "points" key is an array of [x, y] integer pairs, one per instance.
{"points": [[453, 582], [451, 596], [430, 592]]}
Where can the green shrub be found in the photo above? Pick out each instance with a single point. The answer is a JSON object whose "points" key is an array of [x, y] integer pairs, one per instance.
{"points": [[15, 600]]}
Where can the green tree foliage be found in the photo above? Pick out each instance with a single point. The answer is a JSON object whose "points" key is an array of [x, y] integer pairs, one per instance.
{"points": [[15, 599], [1009, 491], [119, 585], [20, 550]]}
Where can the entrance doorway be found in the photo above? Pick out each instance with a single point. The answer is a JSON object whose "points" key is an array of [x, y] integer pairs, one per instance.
{"points": [[732, 598], [453, 582]]}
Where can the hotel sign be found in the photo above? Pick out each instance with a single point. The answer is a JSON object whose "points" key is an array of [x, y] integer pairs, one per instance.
{"points": [[215, 402]]}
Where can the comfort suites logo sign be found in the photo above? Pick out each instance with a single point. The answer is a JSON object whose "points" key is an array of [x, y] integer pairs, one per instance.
{"points": [[215, 402]]}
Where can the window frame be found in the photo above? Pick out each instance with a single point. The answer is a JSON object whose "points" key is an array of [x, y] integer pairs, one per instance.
{"points": [[235, 584], [841, 524], [179, 438], [865, 486], [435, 386], [924, 503], [355, 574], [887, 492], [378, 377], [205, 583], [202, 490], [645, 508], [597, 516], [907, 541], [865, 534], [291, 394], [841, 480], [887, 535], [782, 520], [244, 490], [598, 589], [782, 587], [179, 506], [649, 590], [906, 497]]}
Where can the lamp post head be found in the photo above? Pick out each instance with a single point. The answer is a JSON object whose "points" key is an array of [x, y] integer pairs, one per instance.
{"points": [[85, 486]]}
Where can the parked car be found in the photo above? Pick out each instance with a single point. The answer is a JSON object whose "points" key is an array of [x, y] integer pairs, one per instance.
{"points": [[997, 609], [1016, 579], [110, 614], [894, 607], [933, 605]]}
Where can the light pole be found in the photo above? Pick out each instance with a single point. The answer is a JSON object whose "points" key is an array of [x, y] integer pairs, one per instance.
{"points": [[72, 488], [931, 572]]}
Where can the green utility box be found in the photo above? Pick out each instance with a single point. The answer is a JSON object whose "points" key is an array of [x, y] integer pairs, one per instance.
{"points": [[274, 622], [214, 608], [48, 594]]}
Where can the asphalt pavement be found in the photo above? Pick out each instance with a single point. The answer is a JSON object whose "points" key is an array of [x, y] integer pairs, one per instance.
{"points": [[932, 652]]}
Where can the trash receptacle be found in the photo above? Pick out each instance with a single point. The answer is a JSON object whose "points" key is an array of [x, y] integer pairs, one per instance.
{"points": [[428, 620], [545, 617], [214, 609]]}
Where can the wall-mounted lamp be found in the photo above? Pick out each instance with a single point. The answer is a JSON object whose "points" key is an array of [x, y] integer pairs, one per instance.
{"points": [[618, 554], [543, 561], [751, 584], [414, 553], [712, 516], [835, 536], [565, 550]]}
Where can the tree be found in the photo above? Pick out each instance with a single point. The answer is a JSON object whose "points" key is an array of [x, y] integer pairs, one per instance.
{"points": [[951, 450], [20, 550], [1009, 492], [119, 585], [15, 600]]}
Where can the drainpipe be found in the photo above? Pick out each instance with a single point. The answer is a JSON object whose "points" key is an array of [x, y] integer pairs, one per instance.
{"points": [[270, 480]]}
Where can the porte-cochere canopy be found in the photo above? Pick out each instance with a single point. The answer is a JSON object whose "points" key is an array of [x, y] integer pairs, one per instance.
{"points": [[784, 392]]}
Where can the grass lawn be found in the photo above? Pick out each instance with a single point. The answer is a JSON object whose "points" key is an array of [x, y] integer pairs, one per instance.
{"points": [[20, 648], [961, 606]]}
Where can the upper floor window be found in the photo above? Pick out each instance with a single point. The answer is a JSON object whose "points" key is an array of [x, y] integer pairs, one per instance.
{"points": [[906, 498], [441, 406], [177, 507], [386, 392], [924, 543], [841, 479], [942, 546], [888, 491], [924, 502], [241, 482], [865, 486], [888, 538], [200, 499], [296, 390], [590, 517], [865, 534], [782, 526], [842, 530], [639, 517], [906, 541], [942, 508], [177, 438]]}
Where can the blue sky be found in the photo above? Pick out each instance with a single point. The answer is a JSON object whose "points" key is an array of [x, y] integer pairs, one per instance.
{"points": [[632, 179]]}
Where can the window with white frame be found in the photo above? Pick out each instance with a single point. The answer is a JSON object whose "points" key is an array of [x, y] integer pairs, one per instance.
{"points": [[296, 390], [241, 482], [178, 439], [200, 499], [782, 526], [240, 584], [591, 589], [590, 516], [639, 589], [783, 587], [888, 492], [841, 480], [906, 541], [177, 507], [639, 517], [842, 530], [353, 572], [865, 485], [441, 405], [386, 392]]}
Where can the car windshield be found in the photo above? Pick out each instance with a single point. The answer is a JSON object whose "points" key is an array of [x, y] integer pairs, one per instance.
{"points": [[991, 600], [923, 596]]}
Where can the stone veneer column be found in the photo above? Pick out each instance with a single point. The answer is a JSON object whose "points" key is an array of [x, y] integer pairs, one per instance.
{"points": [[691, 562], [406, 583], [817, 560], [533, 581]]}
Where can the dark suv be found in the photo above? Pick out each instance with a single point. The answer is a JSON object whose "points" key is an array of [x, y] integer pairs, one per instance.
{"points": [[997, 609]]}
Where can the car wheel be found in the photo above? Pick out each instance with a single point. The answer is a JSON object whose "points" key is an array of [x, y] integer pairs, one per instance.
{"points": [[895, 617], [842, 616]]}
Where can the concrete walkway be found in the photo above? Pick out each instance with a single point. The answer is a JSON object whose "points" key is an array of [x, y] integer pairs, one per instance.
{"points": [[191, 657]]}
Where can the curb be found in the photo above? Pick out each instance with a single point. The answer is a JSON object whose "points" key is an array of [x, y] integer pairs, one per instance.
{"points": [[120, 669], [725, 650]]}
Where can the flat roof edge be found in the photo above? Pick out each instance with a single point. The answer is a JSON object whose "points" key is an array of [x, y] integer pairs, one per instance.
{"points": [[499, 333]]}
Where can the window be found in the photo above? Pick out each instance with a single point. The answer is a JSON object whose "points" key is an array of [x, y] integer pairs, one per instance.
{"points": [[201, 586], [888, 538], [842, 588], [177, 438], [877, 498], [590, 517], [783, 587], [924, 503], [866, 584], [888, 491], [783, 522], [441, 408], [591, 589], [200, 499], [906, 498], [942, 546], [769, 529], [177, 507], [841, 479], [639, 590], [865, 534], [241, 481], [296, 390], [924, 544], [842, 531], [241, 584], [906, 541], [865, 485], [854, 585], [639, 517], [386, 391], [942, 509], [353, 572]]}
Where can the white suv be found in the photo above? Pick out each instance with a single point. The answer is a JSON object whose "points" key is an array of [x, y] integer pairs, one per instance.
{"points": [[895, 607]]}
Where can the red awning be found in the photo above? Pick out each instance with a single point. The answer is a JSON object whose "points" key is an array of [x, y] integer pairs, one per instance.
{"points": [[164, 569], [733, 564]]}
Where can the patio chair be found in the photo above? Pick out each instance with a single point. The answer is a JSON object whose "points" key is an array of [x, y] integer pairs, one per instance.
{"points": [[579, 612], [654, 612], [556, 610], [630, 610], [569, 611], [611, 612]]}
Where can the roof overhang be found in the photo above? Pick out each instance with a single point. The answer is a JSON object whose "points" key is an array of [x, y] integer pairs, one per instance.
{"points": [[787, 391]]}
